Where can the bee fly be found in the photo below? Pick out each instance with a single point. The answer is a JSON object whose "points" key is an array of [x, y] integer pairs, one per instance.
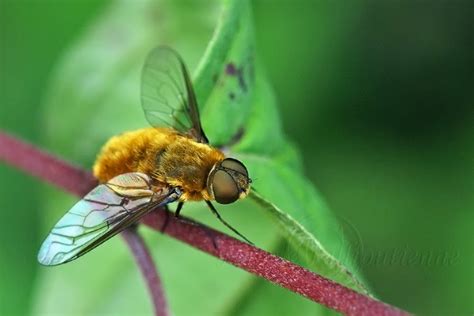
{"points": [[141, 170]]}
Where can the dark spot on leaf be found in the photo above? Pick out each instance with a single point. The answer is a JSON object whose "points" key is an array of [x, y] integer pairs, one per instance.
{"points": [[238, 136], [242, 83], [234, 140], [232, 70], [231, 95]]}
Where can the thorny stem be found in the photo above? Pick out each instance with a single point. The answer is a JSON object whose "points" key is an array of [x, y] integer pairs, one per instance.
{"points": [[273, 268]]}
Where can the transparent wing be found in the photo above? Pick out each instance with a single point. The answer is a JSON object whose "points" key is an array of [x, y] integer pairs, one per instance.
{"points": [[104, 212], [167, 94]]}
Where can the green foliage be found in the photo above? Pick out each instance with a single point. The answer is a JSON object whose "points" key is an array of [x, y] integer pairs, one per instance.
{"points": [[30, 45]]}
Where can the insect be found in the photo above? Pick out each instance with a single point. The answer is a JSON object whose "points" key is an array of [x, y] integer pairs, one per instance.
{"points": [[141, 170]]}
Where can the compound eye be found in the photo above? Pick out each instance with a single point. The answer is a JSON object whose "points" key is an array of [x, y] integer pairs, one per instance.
{"points": [[224, 187], [235, 165]]}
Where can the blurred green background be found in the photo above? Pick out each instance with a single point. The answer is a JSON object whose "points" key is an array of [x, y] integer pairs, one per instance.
{"points": [[378, 97]]}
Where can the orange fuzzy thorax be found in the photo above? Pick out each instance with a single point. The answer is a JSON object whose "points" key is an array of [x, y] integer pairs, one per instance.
{"points": [[163, 154]]}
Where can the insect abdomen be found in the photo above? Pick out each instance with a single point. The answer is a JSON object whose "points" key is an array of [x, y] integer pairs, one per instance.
{"points": [[130, 152]]}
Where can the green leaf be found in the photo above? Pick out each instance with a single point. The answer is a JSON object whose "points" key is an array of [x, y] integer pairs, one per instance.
{"points": [[288, 197], [302, 215], [225, 78], [95, 94]]}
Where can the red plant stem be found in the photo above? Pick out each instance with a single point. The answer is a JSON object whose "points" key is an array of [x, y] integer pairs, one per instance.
{"points": [[42, 165], [148, 268], [273, 268]]}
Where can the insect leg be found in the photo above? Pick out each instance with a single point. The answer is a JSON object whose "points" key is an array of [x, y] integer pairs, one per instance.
{"points": [[178, 209], [176, 214], [167, 219], [171, 198], [225, 223]]}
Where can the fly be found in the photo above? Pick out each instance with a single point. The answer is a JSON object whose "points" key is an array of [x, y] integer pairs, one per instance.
{"points": [[138, 171]]}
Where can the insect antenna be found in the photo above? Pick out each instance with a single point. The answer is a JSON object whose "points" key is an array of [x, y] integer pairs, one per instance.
{"points": [[225, 223]]}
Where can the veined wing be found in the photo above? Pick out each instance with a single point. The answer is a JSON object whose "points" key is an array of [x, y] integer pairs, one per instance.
{"points": [[167, 94], [104, 212]]}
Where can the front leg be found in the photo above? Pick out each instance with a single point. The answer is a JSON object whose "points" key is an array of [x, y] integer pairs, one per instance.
{"points": [[176, 214], [178, 209]]}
